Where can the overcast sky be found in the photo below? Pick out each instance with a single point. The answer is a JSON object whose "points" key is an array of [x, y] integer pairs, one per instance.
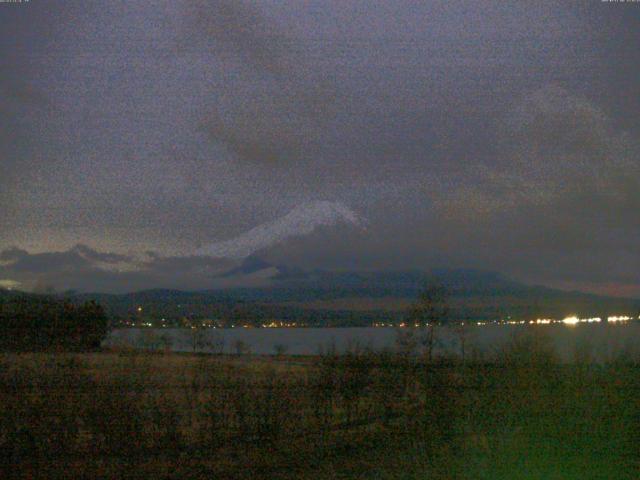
{"points": [[494, 135]]}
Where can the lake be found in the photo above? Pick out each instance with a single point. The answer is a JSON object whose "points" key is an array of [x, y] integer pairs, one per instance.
{"points": [[604, 341]]}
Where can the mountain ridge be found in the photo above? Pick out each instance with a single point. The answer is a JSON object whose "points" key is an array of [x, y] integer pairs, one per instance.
{"points": [[324, 298]]}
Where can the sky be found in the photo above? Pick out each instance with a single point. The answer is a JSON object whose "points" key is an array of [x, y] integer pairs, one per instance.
{"points": [[137, 138]]}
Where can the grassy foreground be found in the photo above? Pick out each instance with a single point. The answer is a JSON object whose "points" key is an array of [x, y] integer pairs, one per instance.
{"points": [[519, 414]]}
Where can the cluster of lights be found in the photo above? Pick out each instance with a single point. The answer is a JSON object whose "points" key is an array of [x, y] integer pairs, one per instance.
{"points": [[571, 320], [275, 324], [612, 319], [544, 321], [400, 325]]}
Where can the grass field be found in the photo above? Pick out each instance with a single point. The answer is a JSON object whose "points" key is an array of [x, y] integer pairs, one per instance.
{"points": [[520, 414]]}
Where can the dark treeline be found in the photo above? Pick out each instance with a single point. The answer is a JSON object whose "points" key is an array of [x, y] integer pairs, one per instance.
{"points": [[39, 322]]}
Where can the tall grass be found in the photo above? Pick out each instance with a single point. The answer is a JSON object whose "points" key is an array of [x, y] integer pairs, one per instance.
{"points": [[119, 414]]}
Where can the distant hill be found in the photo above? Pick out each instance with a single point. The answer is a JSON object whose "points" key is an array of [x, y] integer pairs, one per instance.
{"points": [[358, 298]]}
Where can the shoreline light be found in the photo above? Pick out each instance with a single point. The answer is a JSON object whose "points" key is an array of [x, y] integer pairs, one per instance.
{"points": [[592, 320], [571, 320]]}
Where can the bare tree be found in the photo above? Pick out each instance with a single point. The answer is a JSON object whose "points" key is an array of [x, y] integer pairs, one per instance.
{"points": [[431, 310], [241, 347], [149, 340], [279, 349], [406, 341], [461, 330], [198, 339], [166, 341], [218, 344]]}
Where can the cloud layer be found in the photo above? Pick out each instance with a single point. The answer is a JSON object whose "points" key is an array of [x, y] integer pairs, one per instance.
{"points": [[468, 134]]}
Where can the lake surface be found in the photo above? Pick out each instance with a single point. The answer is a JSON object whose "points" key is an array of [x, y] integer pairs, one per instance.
{"points": [[604, 341]]}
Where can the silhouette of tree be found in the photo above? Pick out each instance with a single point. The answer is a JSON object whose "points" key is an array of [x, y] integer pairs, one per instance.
{"points": [[431, 310]]}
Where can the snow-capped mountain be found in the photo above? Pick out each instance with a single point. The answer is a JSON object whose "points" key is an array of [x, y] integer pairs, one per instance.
{"points": [[302, 220]]}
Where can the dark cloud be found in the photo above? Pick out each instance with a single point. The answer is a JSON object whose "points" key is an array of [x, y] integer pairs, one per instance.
{"points": [[198, 265], [239, 27], [468, 134], [13, 254], [92, 255], [85, 269], [21, 94], [80, 257], [275, 107], [563, 191]]}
